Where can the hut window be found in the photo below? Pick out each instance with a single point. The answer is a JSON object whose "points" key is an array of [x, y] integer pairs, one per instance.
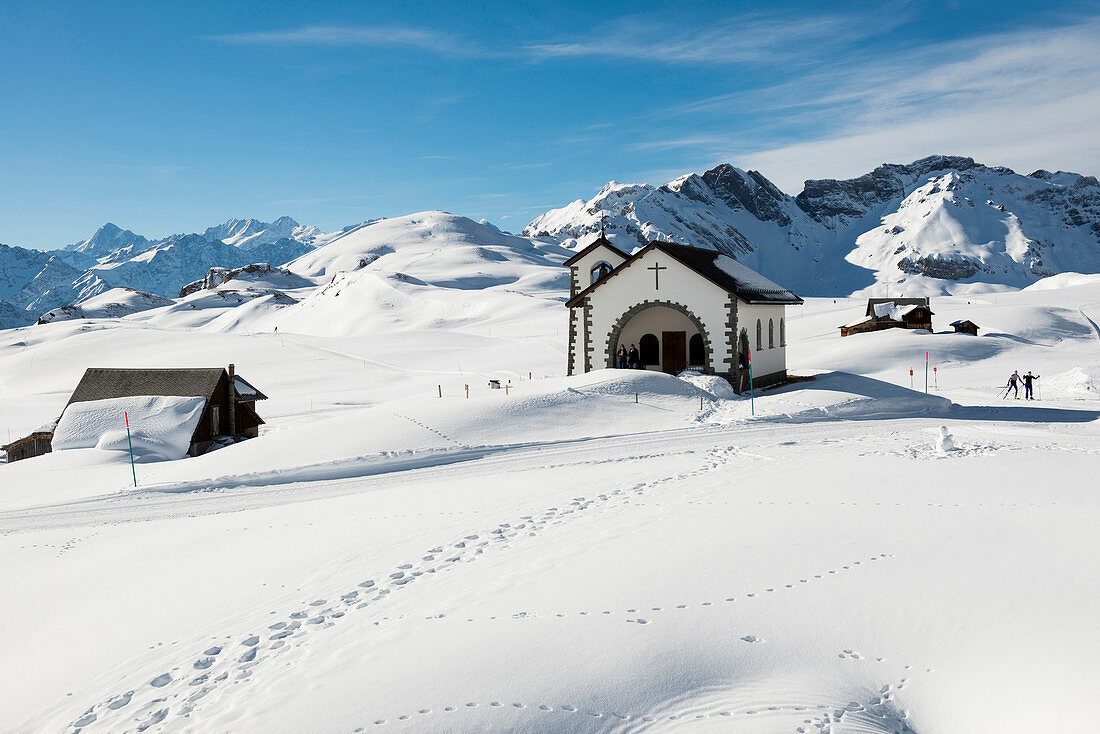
{"points": [[771, 333], [649, 350], [782, 332], [759, 336], [697, 354], [600, 270], [215, 419]]}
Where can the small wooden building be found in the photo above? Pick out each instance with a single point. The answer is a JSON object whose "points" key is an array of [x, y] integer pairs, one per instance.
{"points": [[28, 447], [892, 313], [230, 411], [965, 327]]}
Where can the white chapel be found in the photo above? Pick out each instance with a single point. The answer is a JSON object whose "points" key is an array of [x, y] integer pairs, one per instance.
{"points": [[680, 307]]}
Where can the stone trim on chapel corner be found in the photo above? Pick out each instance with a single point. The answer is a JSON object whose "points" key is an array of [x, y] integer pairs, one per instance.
{"points": [[622, 321]]}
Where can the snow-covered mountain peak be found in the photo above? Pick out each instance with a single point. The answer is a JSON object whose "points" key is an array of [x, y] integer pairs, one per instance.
{"points": [[250, 233], [107, 239], [941, 223]]}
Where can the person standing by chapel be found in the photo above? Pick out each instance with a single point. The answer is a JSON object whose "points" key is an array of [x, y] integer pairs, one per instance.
{"points": [[632, 357], [622, 358], [1028, 379]]}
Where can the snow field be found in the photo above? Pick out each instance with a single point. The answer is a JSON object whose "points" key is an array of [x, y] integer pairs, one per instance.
{"points": [[560, 557]]}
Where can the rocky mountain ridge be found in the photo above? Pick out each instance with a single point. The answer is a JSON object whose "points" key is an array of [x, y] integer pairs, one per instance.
{"points": [[939, 224], [33, 282]]}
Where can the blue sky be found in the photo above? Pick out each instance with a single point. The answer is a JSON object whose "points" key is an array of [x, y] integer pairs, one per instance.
{"points": [[169, 117]]}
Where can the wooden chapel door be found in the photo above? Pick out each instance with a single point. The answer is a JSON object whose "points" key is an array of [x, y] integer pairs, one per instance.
{"points": [[673, 351]]}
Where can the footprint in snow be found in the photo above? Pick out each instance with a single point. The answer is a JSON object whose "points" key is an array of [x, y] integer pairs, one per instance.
{"points": [[120, 701], [161, 680]]}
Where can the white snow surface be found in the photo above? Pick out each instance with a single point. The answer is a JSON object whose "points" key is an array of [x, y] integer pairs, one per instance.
{"points": [[115, 303], [622, 551], [160, 426]]}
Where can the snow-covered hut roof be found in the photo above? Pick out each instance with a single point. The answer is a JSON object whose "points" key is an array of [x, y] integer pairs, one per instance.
{"points": [[872, 302], [102, 383], [245, 391]]}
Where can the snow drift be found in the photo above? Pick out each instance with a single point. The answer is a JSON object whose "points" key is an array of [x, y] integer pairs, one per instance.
{"points": [[160, 427]]}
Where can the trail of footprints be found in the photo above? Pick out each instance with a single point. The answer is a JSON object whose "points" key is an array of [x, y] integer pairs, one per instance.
{"points": [[758, 594], [879, 710], [428, 428], [180, 690]]}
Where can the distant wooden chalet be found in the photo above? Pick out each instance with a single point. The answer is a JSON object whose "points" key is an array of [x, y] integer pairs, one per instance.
{"points": [[965, 327], [892, 313], [230, 411], [28, 447]]}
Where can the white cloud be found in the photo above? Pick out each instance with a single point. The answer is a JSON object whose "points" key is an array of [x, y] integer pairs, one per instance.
{"points": [[748, 38], [1027, 100], [338, 35]]}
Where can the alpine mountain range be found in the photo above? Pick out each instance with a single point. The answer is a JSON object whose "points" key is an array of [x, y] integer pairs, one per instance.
{"points": [[942, 224]]}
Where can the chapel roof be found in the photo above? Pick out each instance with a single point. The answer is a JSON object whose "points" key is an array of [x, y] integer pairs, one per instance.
{"points": [[600, 241], [720, 269]]}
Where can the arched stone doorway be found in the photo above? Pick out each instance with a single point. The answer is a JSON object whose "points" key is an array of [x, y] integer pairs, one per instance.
{"points": [[668, 326]]}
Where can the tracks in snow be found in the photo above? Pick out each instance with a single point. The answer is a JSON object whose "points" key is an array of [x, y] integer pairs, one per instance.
{"points": [[181, 690], [186, 686]]}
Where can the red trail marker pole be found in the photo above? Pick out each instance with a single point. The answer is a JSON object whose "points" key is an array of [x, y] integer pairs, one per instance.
{"points": [[129, 441]]}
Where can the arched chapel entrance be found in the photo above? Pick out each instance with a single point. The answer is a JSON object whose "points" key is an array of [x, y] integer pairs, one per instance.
{"points": [[668, 337]]}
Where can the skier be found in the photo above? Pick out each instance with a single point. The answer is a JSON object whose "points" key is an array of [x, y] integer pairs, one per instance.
{"points": [[1028, 378], [632, 357], [1014, 384], [622, 356]]}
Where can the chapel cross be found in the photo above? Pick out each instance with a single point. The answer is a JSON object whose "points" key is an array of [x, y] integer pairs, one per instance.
{"points": [[657, 275]]}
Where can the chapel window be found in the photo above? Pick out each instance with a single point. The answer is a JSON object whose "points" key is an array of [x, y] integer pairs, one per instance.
{"points": [[697, 354], [759, 336], [601, 270], [782, 333], [649, 350], [771, 333]]}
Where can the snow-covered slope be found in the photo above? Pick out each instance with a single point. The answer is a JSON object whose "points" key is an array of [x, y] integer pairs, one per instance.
{"points": [[620, 551], [941, 224], [111, 304], [421, 271]]}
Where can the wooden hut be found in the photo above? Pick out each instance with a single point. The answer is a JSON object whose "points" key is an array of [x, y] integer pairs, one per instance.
{"points": [[229, 413], [965, 327], [28, 447], [892, 313]]}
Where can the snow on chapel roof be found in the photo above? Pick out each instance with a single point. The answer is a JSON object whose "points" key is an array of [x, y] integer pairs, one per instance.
{"points": [[722, 270]]}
